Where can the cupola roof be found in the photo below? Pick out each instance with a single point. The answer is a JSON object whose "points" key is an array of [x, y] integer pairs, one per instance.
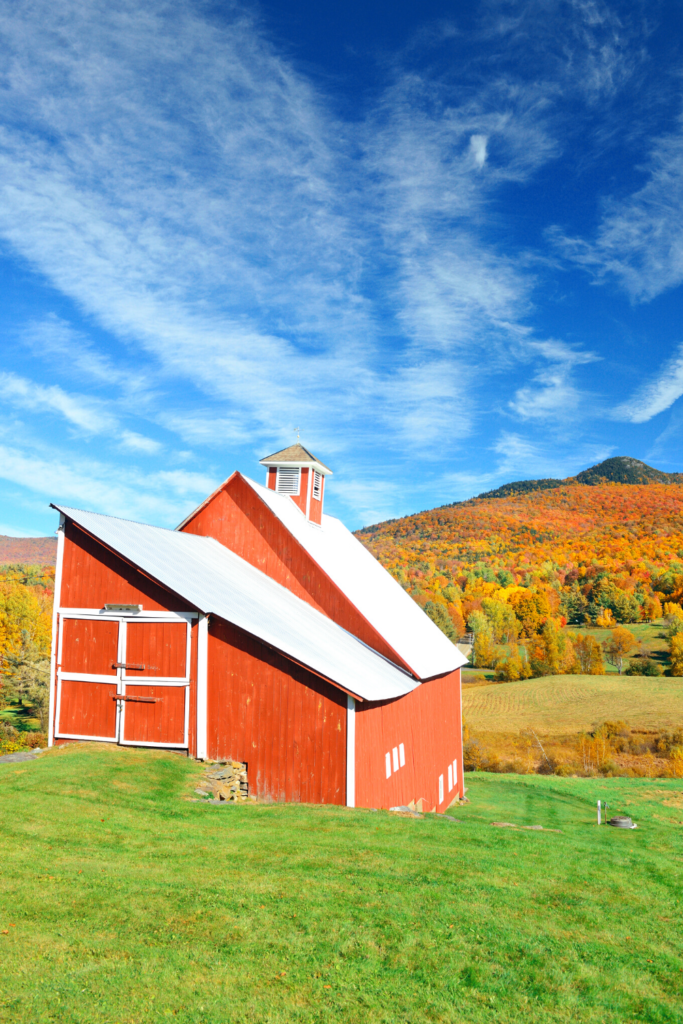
{"points": [[296, 455]]}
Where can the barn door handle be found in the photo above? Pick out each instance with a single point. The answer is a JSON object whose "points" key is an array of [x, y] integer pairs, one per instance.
{"points": [[122, 664], [142, 700]]}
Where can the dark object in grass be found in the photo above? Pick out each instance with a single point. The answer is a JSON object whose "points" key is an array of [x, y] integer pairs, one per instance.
{"points": [[621, 821]]}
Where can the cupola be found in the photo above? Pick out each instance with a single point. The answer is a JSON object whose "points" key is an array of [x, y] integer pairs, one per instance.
{"points": [[296, 471]]}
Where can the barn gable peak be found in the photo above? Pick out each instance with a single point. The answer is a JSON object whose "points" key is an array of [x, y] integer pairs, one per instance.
{"points": [[296, 472]]}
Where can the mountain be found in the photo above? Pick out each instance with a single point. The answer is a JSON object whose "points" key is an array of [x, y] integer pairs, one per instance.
{"points": [[28, 550], [619, 470], [610, 537]]}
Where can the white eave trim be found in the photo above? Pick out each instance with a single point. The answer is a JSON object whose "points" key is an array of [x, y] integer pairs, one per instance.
{"points": [[297, 465]]}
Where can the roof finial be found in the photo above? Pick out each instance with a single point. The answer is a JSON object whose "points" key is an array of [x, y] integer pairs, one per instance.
{"points": [[297, 432]]}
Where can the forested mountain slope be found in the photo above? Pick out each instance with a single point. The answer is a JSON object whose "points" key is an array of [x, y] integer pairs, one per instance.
{"points": [[570, 551], [30, 550]]}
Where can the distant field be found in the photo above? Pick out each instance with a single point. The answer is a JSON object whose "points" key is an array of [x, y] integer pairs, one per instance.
{"points": [[559, 704]]}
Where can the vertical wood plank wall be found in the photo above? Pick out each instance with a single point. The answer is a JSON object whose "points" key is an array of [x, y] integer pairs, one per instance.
{"points": [[238, 519], [93, 576], [316, 514], [427, 721], [288, 725]]}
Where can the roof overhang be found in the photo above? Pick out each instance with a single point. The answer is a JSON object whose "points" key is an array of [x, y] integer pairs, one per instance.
{"points": [[307, 464]]}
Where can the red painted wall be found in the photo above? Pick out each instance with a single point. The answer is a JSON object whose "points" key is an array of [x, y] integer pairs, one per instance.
{"points": [[236, 517], [301, 498], [93, 576], [316, 512], [288, 725], [428, 723]]}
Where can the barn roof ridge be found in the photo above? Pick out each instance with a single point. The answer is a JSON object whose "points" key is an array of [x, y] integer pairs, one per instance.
{"points": [[368, 586], [216, 580]]}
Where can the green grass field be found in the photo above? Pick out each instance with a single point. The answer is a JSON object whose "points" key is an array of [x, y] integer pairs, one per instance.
{"points": [[563, 704], [124, 903]]}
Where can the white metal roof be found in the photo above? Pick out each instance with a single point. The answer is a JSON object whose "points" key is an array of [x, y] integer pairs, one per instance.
{"points": [[367, 584], [214, 579]]}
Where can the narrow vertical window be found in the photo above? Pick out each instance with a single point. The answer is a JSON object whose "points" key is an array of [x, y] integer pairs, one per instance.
{"points": [[450, 777], [317, 484], [440, 789], [288, 479], [395, 753], [401, 754], [455, 773], [387, 762]]}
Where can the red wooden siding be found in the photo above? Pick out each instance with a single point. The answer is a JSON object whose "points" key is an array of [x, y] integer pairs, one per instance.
{"points": [[161, 722], [427, 723], [88, 709], [160, 646], [316, 512], [301, 498], [93, 576], [288, 725], [236, 517], [272, 478], [90, 646]]}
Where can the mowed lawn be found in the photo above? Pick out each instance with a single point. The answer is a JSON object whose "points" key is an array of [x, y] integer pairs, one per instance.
{"points": [[561, 704], [123, 902]]}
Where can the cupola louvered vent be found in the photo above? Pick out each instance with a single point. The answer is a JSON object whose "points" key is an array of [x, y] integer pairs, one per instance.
{"points": [[288, 480], [317, 484]]}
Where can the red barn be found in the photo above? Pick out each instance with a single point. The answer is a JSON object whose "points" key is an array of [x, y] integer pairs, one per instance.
{"points": [[259, 630]]}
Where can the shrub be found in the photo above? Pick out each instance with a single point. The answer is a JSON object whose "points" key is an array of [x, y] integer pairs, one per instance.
{"points": [[644, 667]]}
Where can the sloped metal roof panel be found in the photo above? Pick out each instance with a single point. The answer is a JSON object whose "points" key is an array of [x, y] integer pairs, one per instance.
{"points": [[216, 580], [373, 591]]}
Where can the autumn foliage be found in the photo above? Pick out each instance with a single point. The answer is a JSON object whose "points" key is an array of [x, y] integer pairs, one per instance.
{"points": [[517, 569], [26, 595]]}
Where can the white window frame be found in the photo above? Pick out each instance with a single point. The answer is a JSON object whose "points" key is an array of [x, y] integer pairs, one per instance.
{"points": [[289, 469], [317, 491]]}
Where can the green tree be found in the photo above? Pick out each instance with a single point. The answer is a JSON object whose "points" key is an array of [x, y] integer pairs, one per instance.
{"points": [[504, 623], [438, 614]]}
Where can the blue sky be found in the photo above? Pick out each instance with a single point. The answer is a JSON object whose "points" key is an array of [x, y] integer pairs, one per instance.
{"points": [[444, 240]]}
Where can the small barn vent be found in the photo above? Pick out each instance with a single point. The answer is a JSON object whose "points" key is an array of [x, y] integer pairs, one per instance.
{"points": [[317, 484], [288, 480]]}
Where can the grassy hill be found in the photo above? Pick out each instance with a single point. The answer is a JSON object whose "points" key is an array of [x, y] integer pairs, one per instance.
{"points": [[120, 901]]}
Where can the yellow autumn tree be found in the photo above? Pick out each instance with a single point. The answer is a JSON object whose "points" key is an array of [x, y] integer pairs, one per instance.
{"points": [[676, 654]]}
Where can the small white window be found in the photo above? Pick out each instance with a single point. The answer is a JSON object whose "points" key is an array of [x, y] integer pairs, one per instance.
{"points": [[317, 484], [395, 753], [387, 762], [440, 789], [288, 479], [401, 754], [455, 773], [450, 777]]}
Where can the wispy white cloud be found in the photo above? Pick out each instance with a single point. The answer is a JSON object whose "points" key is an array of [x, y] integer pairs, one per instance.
{"points": [[656, 395], [162, 497], [552, 393], [83, 412], [72, 353], [525, 458], [225, 226], [639, 241], [139, 443]]}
